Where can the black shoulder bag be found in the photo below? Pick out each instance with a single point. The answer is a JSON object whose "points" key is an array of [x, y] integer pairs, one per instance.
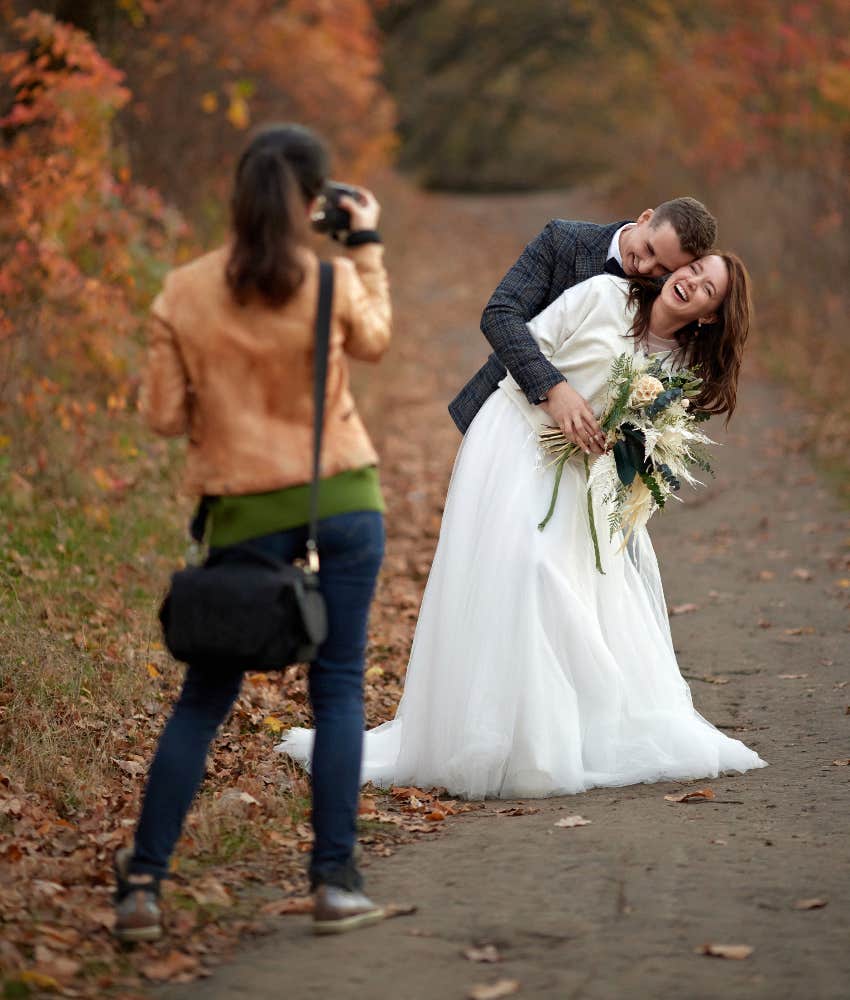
{"points": [[244, 609]]}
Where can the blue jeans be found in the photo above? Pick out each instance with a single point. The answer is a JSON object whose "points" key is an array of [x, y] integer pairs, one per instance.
{"points": [[351, 547]]}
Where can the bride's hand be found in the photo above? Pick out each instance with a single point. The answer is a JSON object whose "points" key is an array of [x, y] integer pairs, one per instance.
{"points": [[570, 412]]}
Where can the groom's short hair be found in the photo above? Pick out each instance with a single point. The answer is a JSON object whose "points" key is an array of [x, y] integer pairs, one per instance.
{"points": [[695, 226]]}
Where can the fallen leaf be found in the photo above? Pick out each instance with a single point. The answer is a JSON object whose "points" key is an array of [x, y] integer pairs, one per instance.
{"points": [[288, 907], [695, 796], [801, 573], [368, 806], [101, 916], [720, 843], [845, 762], [32, 977], [791, 677], [174, 964], [800, 630], [810, 904], [43, 887], [20, 492], [518, 811], [493, 991], [734, 951], [570, 821], [435, 816], [56, 967], [766, 574], [273, 723], [235, 796], [764, 623], [683, 609], [399, 910], [208, 891], [486, 953], [132, 767], [60, 937], [406, 792]]}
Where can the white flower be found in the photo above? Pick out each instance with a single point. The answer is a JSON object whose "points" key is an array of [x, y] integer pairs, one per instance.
{"points": [[645, 390], [638, 508], [684, 403]]}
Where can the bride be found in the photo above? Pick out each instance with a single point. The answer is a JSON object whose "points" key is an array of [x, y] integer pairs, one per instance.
{"points": [[531, 674]]}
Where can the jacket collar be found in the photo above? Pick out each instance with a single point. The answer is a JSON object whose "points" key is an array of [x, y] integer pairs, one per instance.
{"points": [[592, 250]]}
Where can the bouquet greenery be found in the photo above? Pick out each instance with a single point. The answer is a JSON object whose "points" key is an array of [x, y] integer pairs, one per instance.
{"points": [[652, 443]]}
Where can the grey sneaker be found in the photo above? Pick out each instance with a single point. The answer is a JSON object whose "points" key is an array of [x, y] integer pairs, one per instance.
{"points": [[137, 916], [337, 910]]}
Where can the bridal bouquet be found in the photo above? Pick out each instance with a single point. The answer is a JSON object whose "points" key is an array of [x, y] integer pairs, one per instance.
{"points": [[652, 444]]}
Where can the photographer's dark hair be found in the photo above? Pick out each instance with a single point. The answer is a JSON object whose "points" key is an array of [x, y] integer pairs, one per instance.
{"points": [[283, 168], [717, 348]]}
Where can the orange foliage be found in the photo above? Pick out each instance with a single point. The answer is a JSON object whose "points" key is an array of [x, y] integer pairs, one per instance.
{"points": [[83, 244], [212, 77], [77, 240], [772, 83]]}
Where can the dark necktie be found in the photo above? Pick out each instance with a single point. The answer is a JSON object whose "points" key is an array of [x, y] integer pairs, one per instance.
{"points": [[612, 266]]}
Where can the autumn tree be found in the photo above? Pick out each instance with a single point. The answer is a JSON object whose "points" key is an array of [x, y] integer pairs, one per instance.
{"points": [[81, 245]]}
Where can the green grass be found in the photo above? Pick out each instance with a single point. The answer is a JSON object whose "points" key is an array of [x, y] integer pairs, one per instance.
{"points": [[81, 574]]}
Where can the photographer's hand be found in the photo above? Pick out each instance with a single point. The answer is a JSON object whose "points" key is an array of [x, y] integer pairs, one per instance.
{"points": [[365, 213]]}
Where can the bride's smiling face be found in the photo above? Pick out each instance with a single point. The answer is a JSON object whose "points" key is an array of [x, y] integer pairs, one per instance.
{"points": [[695, 291]]}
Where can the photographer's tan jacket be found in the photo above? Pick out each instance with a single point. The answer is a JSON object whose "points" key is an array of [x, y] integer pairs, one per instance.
{"points": [[238, 380]]}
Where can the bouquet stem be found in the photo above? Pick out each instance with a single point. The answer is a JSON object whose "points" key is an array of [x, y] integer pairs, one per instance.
{"points": [[559, 471], [592, 519]]}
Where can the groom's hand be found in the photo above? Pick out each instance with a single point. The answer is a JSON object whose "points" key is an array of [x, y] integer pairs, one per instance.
{"points": [[569, 410]]}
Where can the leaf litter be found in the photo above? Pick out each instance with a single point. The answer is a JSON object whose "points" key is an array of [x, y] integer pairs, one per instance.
{"points": [[736, 952], [568, 822], [494, 991], [59, 846], [700, 795]]}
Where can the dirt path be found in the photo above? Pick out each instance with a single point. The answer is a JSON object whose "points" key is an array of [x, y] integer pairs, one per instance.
{"points": [[616, 909]]}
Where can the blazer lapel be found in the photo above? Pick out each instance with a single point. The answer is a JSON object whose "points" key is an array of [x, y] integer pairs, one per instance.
{"points": [[592, 251]]}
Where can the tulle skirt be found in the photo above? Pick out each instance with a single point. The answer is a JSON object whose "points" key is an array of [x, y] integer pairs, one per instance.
{"points": [[532, 674]]}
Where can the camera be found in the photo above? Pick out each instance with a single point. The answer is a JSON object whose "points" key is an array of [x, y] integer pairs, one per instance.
{"points": [[329, 216]]}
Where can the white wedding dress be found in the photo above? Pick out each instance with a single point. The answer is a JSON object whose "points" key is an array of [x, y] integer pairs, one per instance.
{"points": [[531, 674]]}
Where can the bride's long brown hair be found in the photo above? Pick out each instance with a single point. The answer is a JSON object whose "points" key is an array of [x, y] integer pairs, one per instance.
{"points": [[716, 348]]}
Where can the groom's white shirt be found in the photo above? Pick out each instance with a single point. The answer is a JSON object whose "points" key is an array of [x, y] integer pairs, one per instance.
{"points": [[614, 245], [580, 333]]}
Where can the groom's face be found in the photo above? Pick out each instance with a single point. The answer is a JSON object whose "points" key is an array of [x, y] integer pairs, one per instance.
{"points": [[652, 251]]}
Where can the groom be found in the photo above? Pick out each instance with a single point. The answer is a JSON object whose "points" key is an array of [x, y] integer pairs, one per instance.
{"points": [[565, 253]]}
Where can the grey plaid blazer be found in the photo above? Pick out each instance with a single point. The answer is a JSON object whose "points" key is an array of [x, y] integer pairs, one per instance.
{"points": [[564, 254]]}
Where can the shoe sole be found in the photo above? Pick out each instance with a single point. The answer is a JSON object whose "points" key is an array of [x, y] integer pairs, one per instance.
{"points": [[348, 923], [132, 935]]}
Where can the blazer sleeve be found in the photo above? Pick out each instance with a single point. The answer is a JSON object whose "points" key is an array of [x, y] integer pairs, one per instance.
{"points": [[164, 399], [521, 294], [367, 314]]}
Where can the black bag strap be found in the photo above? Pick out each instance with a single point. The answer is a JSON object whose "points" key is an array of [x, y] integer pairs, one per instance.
{"points": [[320, 373]]}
